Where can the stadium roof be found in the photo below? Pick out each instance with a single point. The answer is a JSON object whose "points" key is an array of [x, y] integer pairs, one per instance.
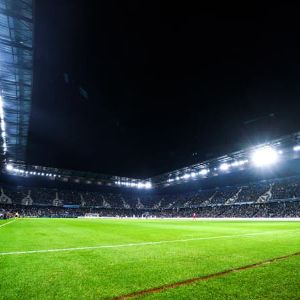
{"points": [[287, 146], [16, 52], [260, 156]]}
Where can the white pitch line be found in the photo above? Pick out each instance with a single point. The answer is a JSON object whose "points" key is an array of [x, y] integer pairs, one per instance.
{"points": [[142, 244], [7, 223]]}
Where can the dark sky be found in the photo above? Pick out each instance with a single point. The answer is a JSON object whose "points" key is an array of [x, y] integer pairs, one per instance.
{"points": [[163, 82]]}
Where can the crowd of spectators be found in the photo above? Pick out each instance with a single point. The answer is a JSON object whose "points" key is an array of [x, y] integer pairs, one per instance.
{"points": [[279, 197], [289, 209]]}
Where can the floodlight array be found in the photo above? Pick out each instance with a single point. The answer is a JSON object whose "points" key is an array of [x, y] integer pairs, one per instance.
{"points": [[262, 156], [202, 173], [135, 184], [23, 172], [190, 175], [259, 157]]}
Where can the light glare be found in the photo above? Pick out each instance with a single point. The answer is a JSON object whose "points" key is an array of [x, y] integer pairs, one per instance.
{"points": [[264, 156], [148, 185], [296, 148], [9, 167], [203, 172], [224, 167], [186, 176]]}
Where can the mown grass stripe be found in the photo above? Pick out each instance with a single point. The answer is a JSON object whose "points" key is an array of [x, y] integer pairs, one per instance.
{"points": [[145, 243]]}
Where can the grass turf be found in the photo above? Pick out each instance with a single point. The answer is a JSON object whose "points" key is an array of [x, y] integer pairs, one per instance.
{"points": [[106, 273]]}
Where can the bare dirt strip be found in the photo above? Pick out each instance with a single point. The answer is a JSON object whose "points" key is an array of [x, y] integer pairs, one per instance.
{"points": [[174, 285]]}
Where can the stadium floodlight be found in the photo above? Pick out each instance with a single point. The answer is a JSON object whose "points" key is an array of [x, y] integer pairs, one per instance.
{"points": [[193, 174], [235, 164], [140, 185], [204, 172], [9, 167], [296, 148], [186, 176], [264, 156], [224, 167], [148, 185], [177, 178], [239, 163]]}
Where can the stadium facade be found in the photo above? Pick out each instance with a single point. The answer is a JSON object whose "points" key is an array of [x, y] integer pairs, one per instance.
{"points": [[16, 61]]}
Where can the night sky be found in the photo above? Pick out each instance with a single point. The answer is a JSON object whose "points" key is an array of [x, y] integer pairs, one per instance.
{"points": [[136, 88]]}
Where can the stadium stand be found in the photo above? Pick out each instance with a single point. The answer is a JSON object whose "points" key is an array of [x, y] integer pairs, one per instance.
{"points": [[269, 198]]}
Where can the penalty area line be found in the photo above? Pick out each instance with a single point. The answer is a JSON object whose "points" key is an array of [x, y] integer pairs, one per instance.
{"points": [[145, 243], [174, 285]]}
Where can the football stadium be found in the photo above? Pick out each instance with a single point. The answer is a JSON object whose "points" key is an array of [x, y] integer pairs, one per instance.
{"points": [[111, 190]]}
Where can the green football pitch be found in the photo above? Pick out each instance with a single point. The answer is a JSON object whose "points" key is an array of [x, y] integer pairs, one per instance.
{"points": [[163, 259]]}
